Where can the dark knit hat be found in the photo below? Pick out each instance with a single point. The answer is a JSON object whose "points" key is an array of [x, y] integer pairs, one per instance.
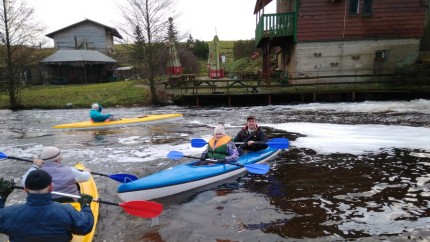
{"points": [[250, 117], [38, 180]]}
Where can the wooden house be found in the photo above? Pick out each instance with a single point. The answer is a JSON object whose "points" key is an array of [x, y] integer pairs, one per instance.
{"points": [[308, 38], [82, 55], [85, 35]]}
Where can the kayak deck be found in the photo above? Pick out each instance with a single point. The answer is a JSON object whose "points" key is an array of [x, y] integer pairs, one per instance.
{"points": [[143, 120], [187, 176], [88, 187]]}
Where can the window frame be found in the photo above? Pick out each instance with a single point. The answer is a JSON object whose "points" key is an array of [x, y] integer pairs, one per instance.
{"points": [[367, 8], [360, 7], [354, 7], [381, 56]]}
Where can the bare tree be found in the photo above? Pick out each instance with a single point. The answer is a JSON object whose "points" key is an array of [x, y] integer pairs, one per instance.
{"points": [[145, 25], [19, 35]]}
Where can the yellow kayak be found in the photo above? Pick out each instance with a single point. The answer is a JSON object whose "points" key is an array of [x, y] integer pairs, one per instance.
{"points": [[88, 187], [143, 120]]}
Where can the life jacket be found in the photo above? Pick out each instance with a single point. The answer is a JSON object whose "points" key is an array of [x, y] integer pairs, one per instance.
{"points": [[218, 150]]}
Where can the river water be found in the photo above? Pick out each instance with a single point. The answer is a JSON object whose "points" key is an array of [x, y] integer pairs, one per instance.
{"points": [[354, 171]]}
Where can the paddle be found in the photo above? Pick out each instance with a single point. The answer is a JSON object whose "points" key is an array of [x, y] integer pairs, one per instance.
{"points": [[260, 169], [277, 143], [144, 209], [124, 178]]}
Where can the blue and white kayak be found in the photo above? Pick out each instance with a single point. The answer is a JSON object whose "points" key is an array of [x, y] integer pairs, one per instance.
{"points": [[186, 177]]}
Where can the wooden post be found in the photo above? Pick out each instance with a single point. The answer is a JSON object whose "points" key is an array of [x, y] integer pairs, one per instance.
{"points": [[269, 100], [197, 101]]}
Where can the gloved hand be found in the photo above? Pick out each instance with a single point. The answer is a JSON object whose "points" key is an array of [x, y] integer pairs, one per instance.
{"points": [[85, 200], [221, 161], [38, 163], [203, 157], [6, 188]]}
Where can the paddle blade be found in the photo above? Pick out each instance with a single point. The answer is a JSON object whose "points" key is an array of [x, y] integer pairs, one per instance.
{"points": [[123, 178], [175, 155], [260, 169], [197, 143], [3, 155], [278, 143], [144, 209]]}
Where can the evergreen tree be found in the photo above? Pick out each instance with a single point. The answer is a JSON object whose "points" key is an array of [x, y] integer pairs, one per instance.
{"points": [[138, 50], [190, 42], [172, 33], [201, 49]]}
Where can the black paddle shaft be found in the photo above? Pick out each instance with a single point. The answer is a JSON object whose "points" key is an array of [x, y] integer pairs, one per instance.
{"points": [[21, 159]]}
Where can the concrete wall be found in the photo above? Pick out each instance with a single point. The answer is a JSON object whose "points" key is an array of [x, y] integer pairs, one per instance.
{"points": [[312, 59]]}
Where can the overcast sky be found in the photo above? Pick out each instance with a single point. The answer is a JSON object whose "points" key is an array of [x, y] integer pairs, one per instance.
{"points": [[230, 19]]}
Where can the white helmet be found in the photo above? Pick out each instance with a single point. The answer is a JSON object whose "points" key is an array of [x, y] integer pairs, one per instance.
{"points": [[95, 106]]}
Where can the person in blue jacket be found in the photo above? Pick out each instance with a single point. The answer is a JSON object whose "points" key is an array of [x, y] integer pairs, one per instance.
{"points": [[40, 218], [97, 116]]}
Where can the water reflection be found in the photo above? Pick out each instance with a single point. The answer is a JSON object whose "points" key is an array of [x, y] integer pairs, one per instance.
{"points": [[351, 196]]}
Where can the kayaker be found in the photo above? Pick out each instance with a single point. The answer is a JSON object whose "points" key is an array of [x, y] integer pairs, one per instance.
{"points": [[64, 178], [220, 148], [249, 135], [40, 218], [97, 116]]}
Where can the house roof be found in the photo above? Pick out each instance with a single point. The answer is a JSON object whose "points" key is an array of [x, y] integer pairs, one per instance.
{"points": [[62, 56], [260, 4], [113, 31]]}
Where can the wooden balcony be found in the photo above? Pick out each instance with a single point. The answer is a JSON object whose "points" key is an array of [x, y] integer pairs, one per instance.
{"points": [[275, 27]]}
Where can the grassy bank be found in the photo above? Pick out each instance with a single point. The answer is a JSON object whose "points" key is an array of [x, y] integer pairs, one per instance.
{"points": [[124, 93]]}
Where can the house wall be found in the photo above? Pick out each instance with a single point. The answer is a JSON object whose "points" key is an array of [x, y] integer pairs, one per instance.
{"points": [[88, 36], [425, 43], [327, 20], [109, 42], [331, 41], [313, 59]]}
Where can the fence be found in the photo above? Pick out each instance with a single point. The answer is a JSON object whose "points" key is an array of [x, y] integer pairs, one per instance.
{"points": [[315, 81]]}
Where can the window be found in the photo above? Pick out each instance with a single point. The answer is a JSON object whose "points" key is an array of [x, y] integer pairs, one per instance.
{"points": [[353, 7], [381, 56], [367, 7]]}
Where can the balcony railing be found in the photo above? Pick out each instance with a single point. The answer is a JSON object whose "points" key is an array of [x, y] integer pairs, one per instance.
{"points": [[275, 25]]}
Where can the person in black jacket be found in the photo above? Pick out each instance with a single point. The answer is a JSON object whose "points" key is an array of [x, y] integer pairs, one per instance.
{"points": [[252, 136]]}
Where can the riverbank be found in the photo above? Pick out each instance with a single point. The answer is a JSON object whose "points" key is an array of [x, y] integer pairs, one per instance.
{"points": [[124, 94]]}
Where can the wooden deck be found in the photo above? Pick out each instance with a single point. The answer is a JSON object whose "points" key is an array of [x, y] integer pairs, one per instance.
{"points": [[307, 88]]}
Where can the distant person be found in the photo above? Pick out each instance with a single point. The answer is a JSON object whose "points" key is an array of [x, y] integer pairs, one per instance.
{"points": [[64, 178], [250, 134], [97, 116], [220, 148], [40, 218]]}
